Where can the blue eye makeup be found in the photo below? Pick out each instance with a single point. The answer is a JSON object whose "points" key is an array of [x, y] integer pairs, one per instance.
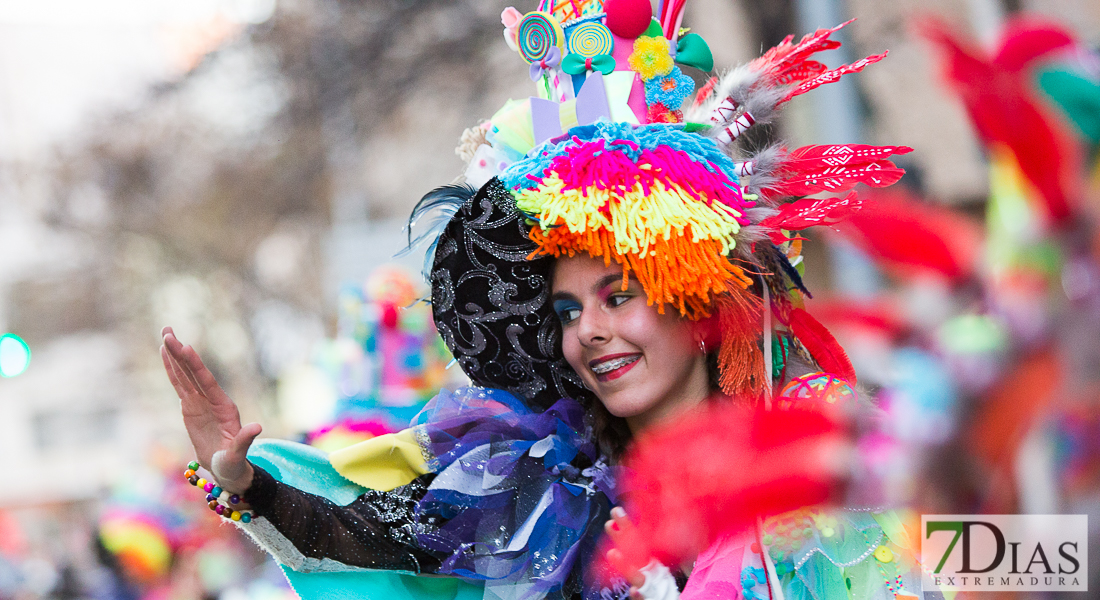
{"points": [[567, 310]]}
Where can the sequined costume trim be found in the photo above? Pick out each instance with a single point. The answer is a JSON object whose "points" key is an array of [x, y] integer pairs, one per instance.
{"points": [[283, 550], [420, 432], [378, 530]]}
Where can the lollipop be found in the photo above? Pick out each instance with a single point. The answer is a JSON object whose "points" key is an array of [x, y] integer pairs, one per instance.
{"points": [[590, 39], [538, 32]]}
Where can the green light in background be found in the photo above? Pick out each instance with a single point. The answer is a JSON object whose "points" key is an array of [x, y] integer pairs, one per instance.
{"points": [[15, 355]]}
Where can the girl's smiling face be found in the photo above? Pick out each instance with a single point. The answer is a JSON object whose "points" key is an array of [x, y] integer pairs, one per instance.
{"points": [[643, 365]]}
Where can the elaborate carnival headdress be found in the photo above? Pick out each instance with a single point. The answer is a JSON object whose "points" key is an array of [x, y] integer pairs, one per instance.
{"points": [[619, 156]]}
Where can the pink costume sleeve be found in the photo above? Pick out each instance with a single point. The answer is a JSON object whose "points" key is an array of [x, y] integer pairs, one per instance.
{"points": [[718, 570]]}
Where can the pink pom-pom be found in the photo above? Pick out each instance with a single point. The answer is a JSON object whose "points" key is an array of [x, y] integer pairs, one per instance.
{"points": [[628, 19]]}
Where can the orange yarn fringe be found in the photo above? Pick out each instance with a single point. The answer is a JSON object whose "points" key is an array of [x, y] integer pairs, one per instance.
{"points": [[740, 357], [677, 271]]}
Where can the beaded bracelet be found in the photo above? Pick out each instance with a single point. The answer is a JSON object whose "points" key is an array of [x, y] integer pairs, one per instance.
{"points": [[219, 500]]}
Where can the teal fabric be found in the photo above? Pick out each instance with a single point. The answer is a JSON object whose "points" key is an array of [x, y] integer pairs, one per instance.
{"points": [[380, 585], [1078, 97], [307, 469]]}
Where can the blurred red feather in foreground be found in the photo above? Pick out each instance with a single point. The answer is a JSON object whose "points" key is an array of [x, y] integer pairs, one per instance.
{"points": [[715, 471], [912, 235]]}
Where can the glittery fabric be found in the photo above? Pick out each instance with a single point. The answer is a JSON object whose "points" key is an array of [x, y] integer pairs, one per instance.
{"points": [[425, 442], [518, 502], [376, 531], [492, 305], [828, 554], [522, 496]]}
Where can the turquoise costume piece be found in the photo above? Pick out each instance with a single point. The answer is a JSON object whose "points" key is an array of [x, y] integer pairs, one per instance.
{"points": [[308, 469]]}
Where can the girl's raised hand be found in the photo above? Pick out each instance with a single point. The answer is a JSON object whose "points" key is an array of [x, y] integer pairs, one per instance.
{"points": [[210, 416]]}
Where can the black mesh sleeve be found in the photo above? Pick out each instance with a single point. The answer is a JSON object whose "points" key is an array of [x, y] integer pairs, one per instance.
{"points": [[376, 531]]}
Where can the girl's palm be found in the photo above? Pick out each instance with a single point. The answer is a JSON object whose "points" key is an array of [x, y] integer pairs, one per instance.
{"points": [[210, 416]]}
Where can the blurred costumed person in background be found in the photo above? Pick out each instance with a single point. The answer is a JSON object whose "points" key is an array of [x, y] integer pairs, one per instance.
{"points": [[622, 284], [1034, 101]]}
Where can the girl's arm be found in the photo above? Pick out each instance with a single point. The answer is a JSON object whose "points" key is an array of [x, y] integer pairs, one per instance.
{"points": [[378, 530]]}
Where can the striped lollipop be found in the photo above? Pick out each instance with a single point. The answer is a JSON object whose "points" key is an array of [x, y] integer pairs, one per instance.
{"points": [[537, 33], [590, 39]]}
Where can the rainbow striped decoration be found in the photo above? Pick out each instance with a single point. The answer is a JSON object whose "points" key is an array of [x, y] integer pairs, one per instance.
{"points": [[665, 204]]}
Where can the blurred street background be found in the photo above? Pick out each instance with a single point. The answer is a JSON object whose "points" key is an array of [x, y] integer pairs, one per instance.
{"points": [[242, 169]]}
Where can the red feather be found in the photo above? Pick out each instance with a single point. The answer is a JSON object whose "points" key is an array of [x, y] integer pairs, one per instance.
{"points": [[789, 66], [879, 315], [835, 168], [1003, 110], [788, 63], [836, 179], [822, 345], [1027, 39], [716, 470], [905, 232], [810, 212], [831, 76], [839, 154]]}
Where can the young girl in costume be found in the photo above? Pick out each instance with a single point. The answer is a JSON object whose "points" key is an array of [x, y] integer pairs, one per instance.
{"points": [[612, 273]]}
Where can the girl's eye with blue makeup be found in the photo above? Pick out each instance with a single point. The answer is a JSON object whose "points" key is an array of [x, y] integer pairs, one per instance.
{"points": [[567, 310]]}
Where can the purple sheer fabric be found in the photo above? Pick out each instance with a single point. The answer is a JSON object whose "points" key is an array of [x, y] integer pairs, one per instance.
{"points": [[524, 494]]}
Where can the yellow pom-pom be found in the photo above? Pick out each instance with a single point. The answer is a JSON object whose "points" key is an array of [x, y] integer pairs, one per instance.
{"points": [[651, 57]]}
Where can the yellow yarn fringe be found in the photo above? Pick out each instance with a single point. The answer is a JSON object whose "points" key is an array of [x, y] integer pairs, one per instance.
{"points": [[636, 218], [676, 246]]}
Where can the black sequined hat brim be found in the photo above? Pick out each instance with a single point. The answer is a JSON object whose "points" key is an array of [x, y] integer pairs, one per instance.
{"points": [[491, 303]]}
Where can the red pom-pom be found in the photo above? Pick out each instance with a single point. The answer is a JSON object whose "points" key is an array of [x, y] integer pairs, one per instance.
{"points": [[389, 316], [628, 19]]}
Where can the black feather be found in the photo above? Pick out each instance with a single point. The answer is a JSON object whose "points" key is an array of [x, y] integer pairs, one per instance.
{"points": [[789, 270], [444, 202]]}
